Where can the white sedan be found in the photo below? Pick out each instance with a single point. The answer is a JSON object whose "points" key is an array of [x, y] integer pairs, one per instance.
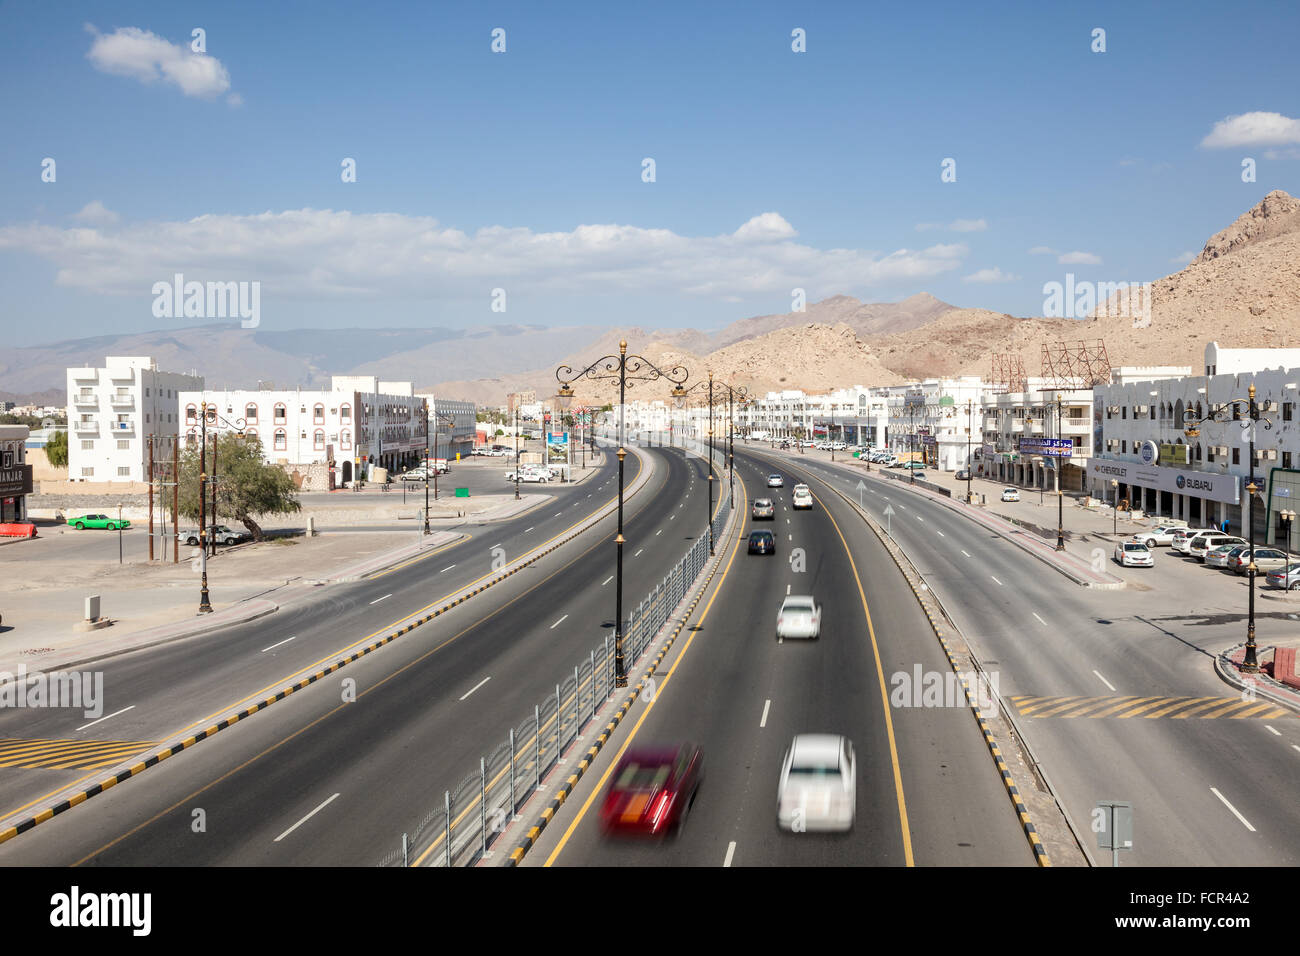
{"points": [[818, 787], [799, 617], [1011, 494], [775, 481], [1134, 554]]}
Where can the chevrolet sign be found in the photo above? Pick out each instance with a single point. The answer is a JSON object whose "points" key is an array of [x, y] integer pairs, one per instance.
{"points": [[1208, 485]]}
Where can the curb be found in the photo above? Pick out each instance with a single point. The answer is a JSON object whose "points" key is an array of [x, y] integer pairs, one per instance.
{"points": [[548, 814], [108, 783], [1228, 673]]}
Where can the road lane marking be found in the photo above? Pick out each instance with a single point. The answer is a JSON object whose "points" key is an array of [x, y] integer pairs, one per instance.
{"points": [[767, 704], [607, 580], [659, 532], [1098, 673], [274, 646], [671, 517], [384, 598], [1275, 733], [1244, 821], [526, 530], [966, 553], [476, 686], [558, 623], [787, 589], [557, 514], [638, 552], [941, 534], [102, 719], [305, 819], [1000, 584], [1044, 623], [731, 850], [450, 566]]}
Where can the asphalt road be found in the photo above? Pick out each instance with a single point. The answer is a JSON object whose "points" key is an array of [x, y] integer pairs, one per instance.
{"points": [[426, 707], [1205, 791], [927, 789]]}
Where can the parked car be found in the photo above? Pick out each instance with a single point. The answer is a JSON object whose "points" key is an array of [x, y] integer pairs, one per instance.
{"points": [[963, 474], [98, 521], [1266, 559], [1163, 535], [763, 508], [1222, 556], [1010, 494], [221, 534], [762, 542], [915, 466], [818, 785], [775, 481], [415, 474], [802, 499], [1288, 577], [1134, 554], [1183, 537], [799, 617], [653, 789], [1202, 543]]}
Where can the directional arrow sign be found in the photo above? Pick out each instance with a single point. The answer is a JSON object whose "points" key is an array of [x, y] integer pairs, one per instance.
{"points": [[861, 488], [889, 513]]}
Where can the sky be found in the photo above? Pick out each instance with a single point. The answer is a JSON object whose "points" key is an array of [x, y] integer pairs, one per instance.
{"points": [[661, 165]]}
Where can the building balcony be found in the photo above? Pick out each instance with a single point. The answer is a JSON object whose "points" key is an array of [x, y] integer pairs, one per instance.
{"points": [[86, 428], [87, 400], [121, 429], [122, 401]]}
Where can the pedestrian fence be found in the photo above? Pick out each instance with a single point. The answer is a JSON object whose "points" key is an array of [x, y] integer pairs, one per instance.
{"points": [[461, 828]]}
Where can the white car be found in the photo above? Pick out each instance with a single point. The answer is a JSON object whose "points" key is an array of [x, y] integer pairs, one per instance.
{"points": [[799, 617], [1163, 535], [775, 481], [802, 498], [1134, 554], [1010, 494], [818, 787], [415, 474]]}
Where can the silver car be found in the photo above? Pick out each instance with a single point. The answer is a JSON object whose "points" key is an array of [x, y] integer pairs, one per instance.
{"points": [[799, 617], [818, 786], [1220, 556]]}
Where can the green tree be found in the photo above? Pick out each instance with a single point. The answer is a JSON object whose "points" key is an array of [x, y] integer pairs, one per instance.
{"points": [[56, 450], [247, 487]]}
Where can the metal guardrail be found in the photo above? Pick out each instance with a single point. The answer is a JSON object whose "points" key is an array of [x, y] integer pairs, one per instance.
{"points": [[461, 829]]}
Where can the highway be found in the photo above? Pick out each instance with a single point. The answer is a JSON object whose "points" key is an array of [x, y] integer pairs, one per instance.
{"points": [[927, 789], [426, 706], [1206, 791]]}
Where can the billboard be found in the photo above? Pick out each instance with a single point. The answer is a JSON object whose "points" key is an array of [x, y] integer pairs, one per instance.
{"points": [[1175, 454], [1055, 447], [1213, 486], [557, 448]]}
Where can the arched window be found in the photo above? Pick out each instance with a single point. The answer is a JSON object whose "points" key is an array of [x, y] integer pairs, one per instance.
{"points": [[281, 440], [318, 414], [345, 439], [250, 434], [345, 413], [250, 413], [191, 415], [319, 439]]}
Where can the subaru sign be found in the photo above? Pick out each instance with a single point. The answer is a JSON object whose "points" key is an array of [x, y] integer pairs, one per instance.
{"points": [[1149, 452], [1201, 484]]}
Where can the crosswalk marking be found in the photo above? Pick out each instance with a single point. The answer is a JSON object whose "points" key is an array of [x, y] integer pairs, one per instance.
{"points": [[1148, 708], [67, 754]]}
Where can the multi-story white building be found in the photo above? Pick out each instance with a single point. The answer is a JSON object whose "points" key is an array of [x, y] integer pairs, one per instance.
{"points": [[359, 421], [1144, 448], [452, 427], [15, 473], [1012, 422], [114, 411]]}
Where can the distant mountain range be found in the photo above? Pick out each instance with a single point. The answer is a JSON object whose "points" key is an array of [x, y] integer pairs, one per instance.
{"points": [[1242, 290]]}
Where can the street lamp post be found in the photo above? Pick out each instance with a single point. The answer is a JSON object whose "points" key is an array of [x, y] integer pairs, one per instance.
{"points": [[1233, 408], [969, 428], [1060, 497], [516, 451], [1286, 517], [205, 602], [627, 370]]}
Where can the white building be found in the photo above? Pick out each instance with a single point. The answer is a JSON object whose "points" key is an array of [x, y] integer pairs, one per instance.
{"points": [[1014, 423], [1201, 479], [114, 411], [452, 427], [15, 473], [327, 436]]}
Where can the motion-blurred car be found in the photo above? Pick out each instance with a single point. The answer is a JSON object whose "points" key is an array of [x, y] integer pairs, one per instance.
{"points": [[98, 521], [762, 542], [799, 617], [1134, 554], [801, 499], [1288, 577], [1010, 494], [1221, 556], [653, 790], [763, 508], [1266, 559], [818, 786], [775, 481]]}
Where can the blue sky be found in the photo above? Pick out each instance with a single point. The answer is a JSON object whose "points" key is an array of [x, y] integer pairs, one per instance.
{"points": [[522, 170]]}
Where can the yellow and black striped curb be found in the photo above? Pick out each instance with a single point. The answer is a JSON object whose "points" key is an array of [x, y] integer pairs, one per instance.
{"points": [[549, 813], [909, 573], [81, 796], [1176, 708]]}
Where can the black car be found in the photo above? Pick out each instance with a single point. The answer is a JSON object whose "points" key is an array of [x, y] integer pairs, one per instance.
{"points": [[762, 542]]}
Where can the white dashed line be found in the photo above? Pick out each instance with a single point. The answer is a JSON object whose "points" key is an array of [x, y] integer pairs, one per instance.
{"points": [[1275, 733], [731, 850], [558, 623], [766, 705], [1244, 821], [607, 580], [526, 530], [274, 646], [476, 686], [1000, 584], [102, 719], [660, 531], [638, 552], [941, 534], [1099, 677], [1039, 619], [305, 819], [450, 566], [384, 598], [966, 553]]}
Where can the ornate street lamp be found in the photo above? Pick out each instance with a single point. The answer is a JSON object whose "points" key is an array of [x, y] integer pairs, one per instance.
{"points": [[205, 603], [627, 370], [1060, 497]]}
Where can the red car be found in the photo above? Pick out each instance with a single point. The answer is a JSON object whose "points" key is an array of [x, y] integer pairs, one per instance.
{"points": [[653, 789]]}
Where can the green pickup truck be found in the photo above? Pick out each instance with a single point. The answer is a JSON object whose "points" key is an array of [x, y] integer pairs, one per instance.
{"points": [[98, 521]]}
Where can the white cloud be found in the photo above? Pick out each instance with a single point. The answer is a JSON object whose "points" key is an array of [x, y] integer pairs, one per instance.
{"points": [[1274, 154], [1043, 251], [234, 99], [147, 57], [1079, 259], [957, 225], [96, 214], [313, 254], [990, 275], [1253, 129], [768, 226]]}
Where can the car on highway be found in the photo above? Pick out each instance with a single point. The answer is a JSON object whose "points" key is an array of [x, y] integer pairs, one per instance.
{"points": [[801, 499], [1162, 535], [763, 508], [775, 481], [799, 617], [1010, 494], [762, 542], [1266, 559], [1134, 554], [818, 786], [1288, 577], [98, 521], [1221, 556], [1202, 543], [653, 790]]}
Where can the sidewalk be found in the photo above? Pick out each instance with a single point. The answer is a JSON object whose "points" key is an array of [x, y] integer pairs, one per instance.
{"points": [[1262, 685]]}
